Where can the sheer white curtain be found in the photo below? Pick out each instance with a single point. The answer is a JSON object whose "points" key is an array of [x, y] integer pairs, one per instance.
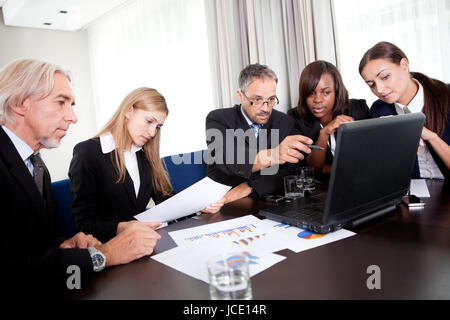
{"points": [[276, 33], [421, 28], [228, 45], [160, 44]]}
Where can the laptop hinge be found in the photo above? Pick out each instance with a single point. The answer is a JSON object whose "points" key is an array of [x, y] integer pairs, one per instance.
{"points": [[371, 216]]}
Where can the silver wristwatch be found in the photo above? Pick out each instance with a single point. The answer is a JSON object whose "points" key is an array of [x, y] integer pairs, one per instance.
{"points": [[98, 259]]}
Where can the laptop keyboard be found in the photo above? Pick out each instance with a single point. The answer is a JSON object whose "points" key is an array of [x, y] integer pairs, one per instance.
{"points": [[312, 212]]}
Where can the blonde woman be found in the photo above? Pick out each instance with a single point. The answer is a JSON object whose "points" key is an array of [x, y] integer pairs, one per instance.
{"points": [[114, 175]]}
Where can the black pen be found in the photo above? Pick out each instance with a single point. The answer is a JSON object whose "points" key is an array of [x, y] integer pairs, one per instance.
{"points": [[314, 147]]}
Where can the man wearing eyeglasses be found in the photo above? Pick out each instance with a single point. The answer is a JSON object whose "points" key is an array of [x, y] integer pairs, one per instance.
{"points": [[251, 146]]}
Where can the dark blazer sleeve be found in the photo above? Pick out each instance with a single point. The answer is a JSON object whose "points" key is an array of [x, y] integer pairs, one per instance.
{"points": [[84, 184], [269, 184], [217, 123], [273, 183], [380, 109], [359, 109]]}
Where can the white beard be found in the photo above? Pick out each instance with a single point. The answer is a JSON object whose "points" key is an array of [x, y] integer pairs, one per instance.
{"points": [[49, 143]]}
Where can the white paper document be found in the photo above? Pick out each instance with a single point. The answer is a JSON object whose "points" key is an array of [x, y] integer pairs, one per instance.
{"points": [[192, 259], [231, 230], [189, 201], [259, 238], [419, 188], [252, 233], [297, 239]]}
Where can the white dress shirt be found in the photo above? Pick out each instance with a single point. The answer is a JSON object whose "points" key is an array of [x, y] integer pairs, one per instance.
{"points": [[255, 127], [427, 166], [331, 141], [108, 145]]}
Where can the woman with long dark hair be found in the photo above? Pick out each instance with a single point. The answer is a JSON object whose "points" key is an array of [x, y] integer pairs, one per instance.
{"points": [[322, 107], [385, 69]]}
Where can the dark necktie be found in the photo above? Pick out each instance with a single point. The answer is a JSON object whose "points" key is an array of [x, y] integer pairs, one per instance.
{"points": [[39, 168]]}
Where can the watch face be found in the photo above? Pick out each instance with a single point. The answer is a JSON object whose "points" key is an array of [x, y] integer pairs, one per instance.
{"points": [[98, 260]]}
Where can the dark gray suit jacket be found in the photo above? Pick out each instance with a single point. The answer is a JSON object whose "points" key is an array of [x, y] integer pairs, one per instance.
{"points": [[233, 173]]}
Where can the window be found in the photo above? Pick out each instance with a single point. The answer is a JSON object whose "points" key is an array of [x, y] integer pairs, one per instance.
{"points": [[161, 44], [421, 28]]}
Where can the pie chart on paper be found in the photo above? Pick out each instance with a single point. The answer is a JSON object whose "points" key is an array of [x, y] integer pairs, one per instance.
{"points": [[309, 235]]}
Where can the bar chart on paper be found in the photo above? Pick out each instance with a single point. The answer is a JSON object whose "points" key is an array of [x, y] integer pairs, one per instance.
{"points": [[232, 233], [242, 231], [249, 240]]}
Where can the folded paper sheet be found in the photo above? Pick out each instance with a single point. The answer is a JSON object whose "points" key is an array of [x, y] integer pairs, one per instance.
{"points": [[419, 188], [189, 201], [192, 259]]}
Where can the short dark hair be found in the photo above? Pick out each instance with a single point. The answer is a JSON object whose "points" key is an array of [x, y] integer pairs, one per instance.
{"points": [[310, 78], [254, 71]]}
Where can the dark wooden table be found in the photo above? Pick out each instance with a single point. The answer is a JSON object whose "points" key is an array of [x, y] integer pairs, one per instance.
{"points": [[411, 248]]}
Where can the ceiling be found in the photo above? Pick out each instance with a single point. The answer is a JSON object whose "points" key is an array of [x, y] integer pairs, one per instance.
{"points": [[67, 15]]}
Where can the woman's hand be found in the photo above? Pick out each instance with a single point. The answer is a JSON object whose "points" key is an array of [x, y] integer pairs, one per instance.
{"points": [[427, 135], [334, 124]]}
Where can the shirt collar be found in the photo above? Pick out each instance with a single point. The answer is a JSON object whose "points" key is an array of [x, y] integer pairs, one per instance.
{"points": [[107, 143], [416, 104], [250, 122], [22, 148]]}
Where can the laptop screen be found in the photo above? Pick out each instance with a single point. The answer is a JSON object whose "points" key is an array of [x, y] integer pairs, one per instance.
{"points": [[372, 165]]}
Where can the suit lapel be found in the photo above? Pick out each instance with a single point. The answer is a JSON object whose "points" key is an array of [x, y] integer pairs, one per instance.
{"points": [[145, 177], [20, 173], [269, 127], [129, 187]]}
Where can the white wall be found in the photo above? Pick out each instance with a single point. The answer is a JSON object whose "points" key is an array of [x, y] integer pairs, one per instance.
{"points": [[70, 51]]}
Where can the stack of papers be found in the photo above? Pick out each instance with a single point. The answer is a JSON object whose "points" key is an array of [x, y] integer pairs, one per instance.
{"points": [[259, 238]]}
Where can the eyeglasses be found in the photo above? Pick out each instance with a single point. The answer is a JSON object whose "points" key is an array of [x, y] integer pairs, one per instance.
{"points": [[259, 102]]}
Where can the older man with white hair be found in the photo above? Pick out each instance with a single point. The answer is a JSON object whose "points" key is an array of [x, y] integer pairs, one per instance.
{"points": [[36, 110]]}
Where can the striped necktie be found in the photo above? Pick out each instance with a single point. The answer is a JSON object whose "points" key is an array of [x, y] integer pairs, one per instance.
{"points": [[256, 127], [39, 168]]}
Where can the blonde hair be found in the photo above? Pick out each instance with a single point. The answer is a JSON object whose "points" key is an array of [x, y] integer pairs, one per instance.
{"points": [[24, 78], [149, 100]]}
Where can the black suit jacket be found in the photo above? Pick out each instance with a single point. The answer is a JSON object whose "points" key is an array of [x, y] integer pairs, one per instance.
{"points": [[99, 203], [310, 127], [233, 172], [31, 258]]}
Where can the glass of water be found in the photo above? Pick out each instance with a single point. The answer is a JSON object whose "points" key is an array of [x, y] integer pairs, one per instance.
{"points": [[307, 178], [293, 187], [229, 277]]}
